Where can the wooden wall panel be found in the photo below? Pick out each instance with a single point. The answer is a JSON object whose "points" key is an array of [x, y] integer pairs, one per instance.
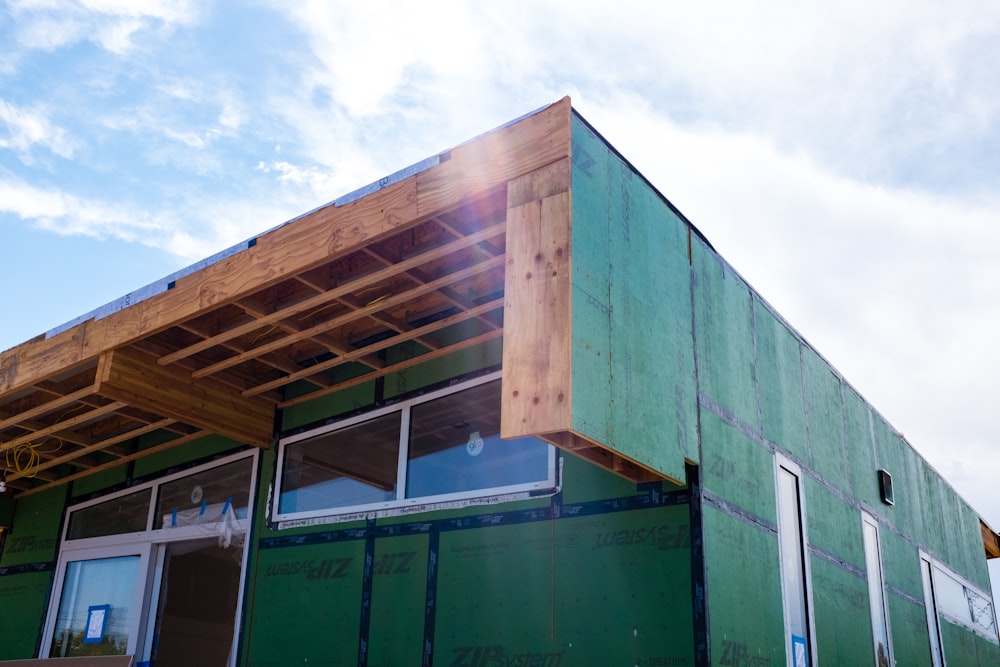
{"points": [[536, 359]]}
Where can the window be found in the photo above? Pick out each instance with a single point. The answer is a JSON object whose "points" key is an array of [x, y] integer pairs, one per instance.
{"points": [[138, 567], [957, 600], [795, 576], [186, 499], [930, 607], [439, 448], [876, 591]]}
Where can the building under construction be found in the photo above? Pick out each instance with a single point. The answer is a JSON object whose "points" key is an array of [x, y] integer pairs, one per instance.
{"points": [[505, 407]]}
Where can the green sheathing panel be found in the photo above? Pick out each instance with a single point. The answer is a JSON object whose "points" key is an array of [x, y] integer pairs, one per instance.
{"points": [[305, 605], [590, 482], [100, 481], [744, 592], [834, 526], [6, 512], [779, 365], [439, 370], [24, 591], [364, 395], [633, 367], [35, 535], [901, 562], [179, 455], [828, 448], [864, 472], [510, 583], [843, 619], [399, 598], [338, 403], [736, 468], [23, 600], [887, 458], [584, 591], [908, 625], [724, 336], [963, 647]]}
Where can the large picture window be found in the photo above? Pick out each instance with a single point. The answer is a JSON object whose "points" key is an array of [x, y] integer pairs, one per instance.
{"points": [[438, 448]]}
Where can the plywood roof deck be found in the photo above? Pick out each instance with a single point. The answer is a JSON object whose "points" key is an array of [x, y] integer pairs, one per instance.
{"points": [[420, 261]]}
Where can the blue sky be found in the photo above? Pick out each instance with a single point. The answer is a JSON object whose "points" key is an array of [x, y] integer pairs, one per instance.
{"points": [[843, 158]]}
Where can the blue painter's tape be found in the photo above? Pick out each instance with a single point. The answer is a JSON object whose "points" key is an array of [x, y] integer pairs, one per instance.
{"points": [[204, 504], [800, 654], [173, 519], [225, 508]]}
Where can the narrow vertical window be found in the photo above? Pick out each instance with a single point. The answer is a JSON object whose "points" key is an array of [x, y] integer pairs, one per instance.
{"points": [[876, 592], [794, 565], [930, 606]]}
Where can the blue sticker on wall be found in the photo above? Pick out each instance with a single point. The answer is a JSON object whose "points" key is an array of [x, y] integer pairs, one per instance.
{"points": [[800, 656]]}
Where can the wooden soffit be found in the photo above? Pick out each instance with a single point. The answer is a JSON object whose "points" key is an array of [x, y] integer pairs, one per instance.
{"points": [[991, 541]]}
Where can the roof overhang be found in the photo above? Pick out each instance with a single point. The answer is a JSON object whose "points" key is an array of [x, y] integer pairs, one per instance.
{"points": [[307, 309]]}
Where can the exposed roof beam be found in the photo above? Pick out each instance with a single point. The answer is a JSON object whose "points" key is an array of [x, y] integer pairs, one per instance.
{"points": [[133, 377]]}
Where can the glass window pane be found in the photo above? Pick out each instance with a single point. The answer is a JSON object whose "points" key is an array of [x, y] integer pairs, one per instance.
{"points": [[455, 446], [356, 465], [125, 514], [951, 597], [89, 586], [202, 497], [793, 564], [930, 607], [981, 609], [876, 595]]}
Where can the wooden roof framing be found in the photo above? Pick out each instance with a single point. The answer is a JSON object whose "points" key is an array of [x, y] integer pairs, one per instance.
{"points": [[421, 260]]}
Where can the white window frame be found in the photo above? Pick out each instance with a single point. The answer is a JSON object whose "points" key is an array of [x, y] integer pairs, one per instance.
{"points": [[147, 544], [876, 586], [930, 608], [781, 461], [401, 504], [938, 571]]}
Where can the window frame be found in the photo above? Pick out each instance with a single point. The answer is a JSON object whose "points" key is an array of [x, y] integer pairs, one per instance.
{"points": [[868, 519], [401, 504], [146, 544], [783, 462], [931, 610], [151, 532], [938, 570]]}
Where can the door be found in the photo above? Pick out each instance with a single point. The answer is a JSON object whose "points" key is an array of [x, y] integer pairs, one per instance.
{"points": [[196, 600], [100, 607]]}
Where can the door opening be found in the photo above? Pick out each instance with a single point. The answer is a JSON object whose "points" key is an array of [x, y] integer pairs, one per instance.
{"points": [[196, 606]]}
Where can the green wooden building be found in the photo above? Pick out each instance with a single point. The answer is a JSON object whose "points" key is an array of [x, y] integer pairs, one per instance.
{"points": [[505, 407]]}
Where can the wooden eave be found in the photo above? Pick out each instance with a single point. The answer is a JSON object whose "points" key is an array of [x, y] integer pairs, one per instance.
{"points": [[309, 308], [991, 541]]}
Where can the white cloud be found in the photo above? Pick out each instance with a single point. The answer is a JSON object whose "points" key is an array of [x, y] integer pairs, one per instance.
{"points": [[191, 228], [27, 128], [895, 286], [52, 24]]}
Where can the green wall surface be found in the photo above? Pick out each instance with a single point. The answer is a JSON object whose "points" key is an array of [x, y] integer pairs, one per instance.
{"points": [[23, 602], [762, 390], [632, 355], [585, 579], [26, 565]]}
